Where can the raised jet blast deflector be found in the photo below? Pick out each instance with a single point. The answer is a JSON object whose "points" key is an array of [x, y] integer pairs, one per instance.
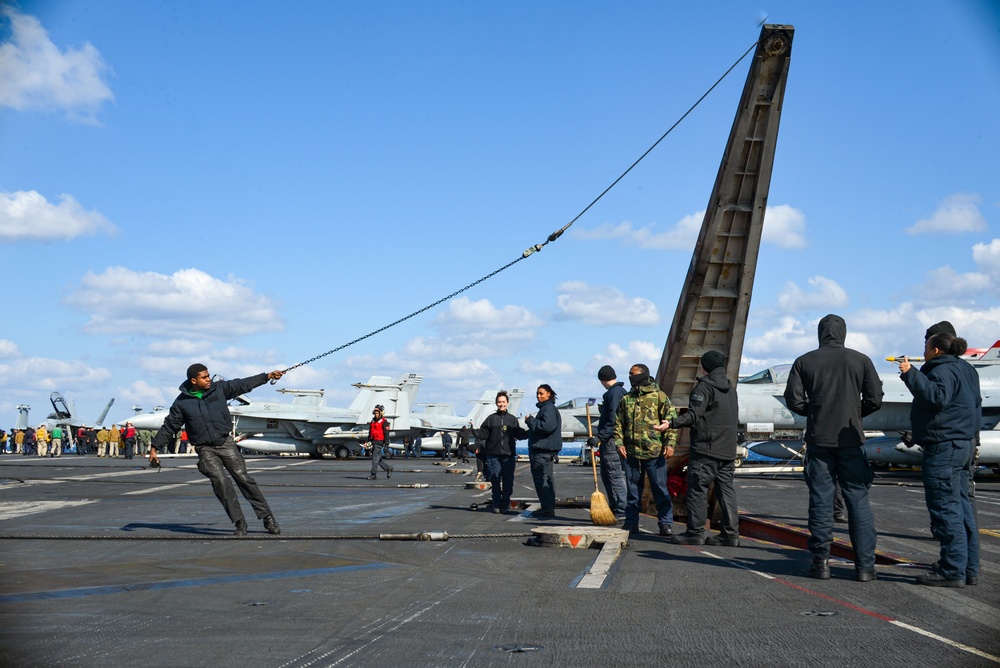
{"points": [[715, 300]]}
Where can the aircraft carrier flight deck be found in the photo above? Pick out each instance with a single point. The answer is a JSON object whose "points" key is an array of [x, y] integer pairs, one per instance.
{"points": [[109, 563]]}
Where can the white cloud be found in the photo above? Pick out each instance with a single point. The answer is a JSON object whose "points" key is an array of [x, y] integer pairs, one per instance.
{"points": [[27, 215], [603, 305], [546, 368], [174, 355], [623, 357], [122, 301], [898, 318], [786, 341], [682, 237], [35, 74], [483, 315], [42, 375], [957, 213], [979, 326], [876, 333], [8, 349], [142, 394], [826, 294], [784, 226], [944, 285], [987, 258]]}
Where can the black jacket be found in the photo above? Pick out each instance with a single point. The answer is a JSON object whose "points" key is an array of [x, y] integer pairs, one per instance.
{"points": [[713, 415], [833, 387], [207, 420], [545, 429], [609, 407], [947, 405], [498, 434]]}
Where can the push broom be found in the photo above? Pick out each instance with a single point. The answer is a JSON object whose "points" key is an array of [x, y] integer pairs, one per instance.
{"points": [[600, 512]]}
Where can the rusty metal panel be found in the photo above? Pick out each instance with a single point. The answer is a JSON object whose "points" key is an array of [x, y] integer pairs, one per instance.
{"points": [[715, 300]]}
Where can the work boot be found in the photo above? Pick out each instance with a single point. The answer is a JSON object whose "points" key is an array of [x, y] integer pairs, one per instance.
{"points": [[820, 569], [840, 518], [688, 538], [271, 525], [372, 477], [972, 580], [666, 531], [865, 576], [388, 474], [724, 541], [543, 513], [632, 529], [938, 580], [241, 528]]}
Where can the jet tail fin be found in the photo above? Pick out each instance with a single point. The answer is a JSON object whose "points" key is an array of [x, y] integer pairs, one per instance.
{"points": [[22, 417], [486, 404], [514, 400], [104, 413], [991, 355], [397, 398], [481, 408]]}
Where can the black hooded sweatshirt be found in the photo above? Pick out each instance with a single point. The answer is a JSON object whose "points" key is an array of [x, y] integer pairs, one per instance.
{"points": [[713, 415], [833, 387]]}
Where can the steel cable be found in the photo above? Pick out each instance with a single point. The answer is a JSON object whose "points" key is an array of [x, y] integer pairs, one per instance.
{"points": [[537, 247]]}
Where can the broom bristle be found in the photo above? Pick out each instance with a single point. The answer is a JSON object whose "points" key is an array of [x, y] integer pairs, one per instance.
{"points": [[600, 512]]}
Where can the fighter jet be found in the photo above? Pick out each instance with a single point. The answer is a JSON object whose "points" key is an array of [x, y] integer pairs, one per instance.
{"points": [[431, 441], [63, 415], [576, 412], [308, 426], [772, 430]]}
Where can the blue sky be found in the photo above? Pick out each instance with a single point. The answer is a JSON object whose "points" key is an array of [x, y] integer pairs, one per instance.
{"points": [[252, 184]]}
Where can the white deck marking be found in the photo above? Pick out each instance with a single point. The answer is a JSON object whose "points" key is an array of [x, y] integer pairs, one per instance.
{"points": [[894, 622], [12, 509], [598, 571]]}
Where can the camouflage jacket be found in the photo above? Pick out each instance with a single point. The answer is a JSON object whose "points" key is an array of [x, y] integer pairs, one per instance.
{"points": [[639, 411]]}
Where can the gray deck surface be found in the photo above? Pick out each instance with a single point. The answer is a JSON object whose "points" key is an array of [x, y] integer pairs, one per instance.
{"points": [[325, 593]]}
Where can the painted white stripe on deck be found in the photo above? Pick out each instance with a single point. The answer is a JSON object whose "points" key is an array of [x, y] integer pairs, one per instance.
{"points": [[946, 641], [894, 622], [162, 488], [598, 571], [12, 509]]}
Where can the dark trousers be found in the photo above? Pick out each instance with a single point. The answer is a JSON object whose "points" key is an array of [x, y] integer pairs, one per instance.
{"points": [[613, 477], [946, 490], [636, 471], [848, 467], [481, 460], [500, 469], [378, 456], [969, 515], [701, 473], [541, 473], [213, 462], [129, 448]]}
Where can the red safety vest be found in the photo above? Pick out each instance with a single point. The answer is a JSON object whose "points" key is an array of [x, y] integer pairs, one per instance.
{"points": [[377, 430]]}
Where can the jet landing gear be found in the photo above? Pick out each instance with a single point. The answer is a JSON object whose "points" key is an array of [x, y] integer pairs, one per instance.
{"points": [[338, 451]]}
